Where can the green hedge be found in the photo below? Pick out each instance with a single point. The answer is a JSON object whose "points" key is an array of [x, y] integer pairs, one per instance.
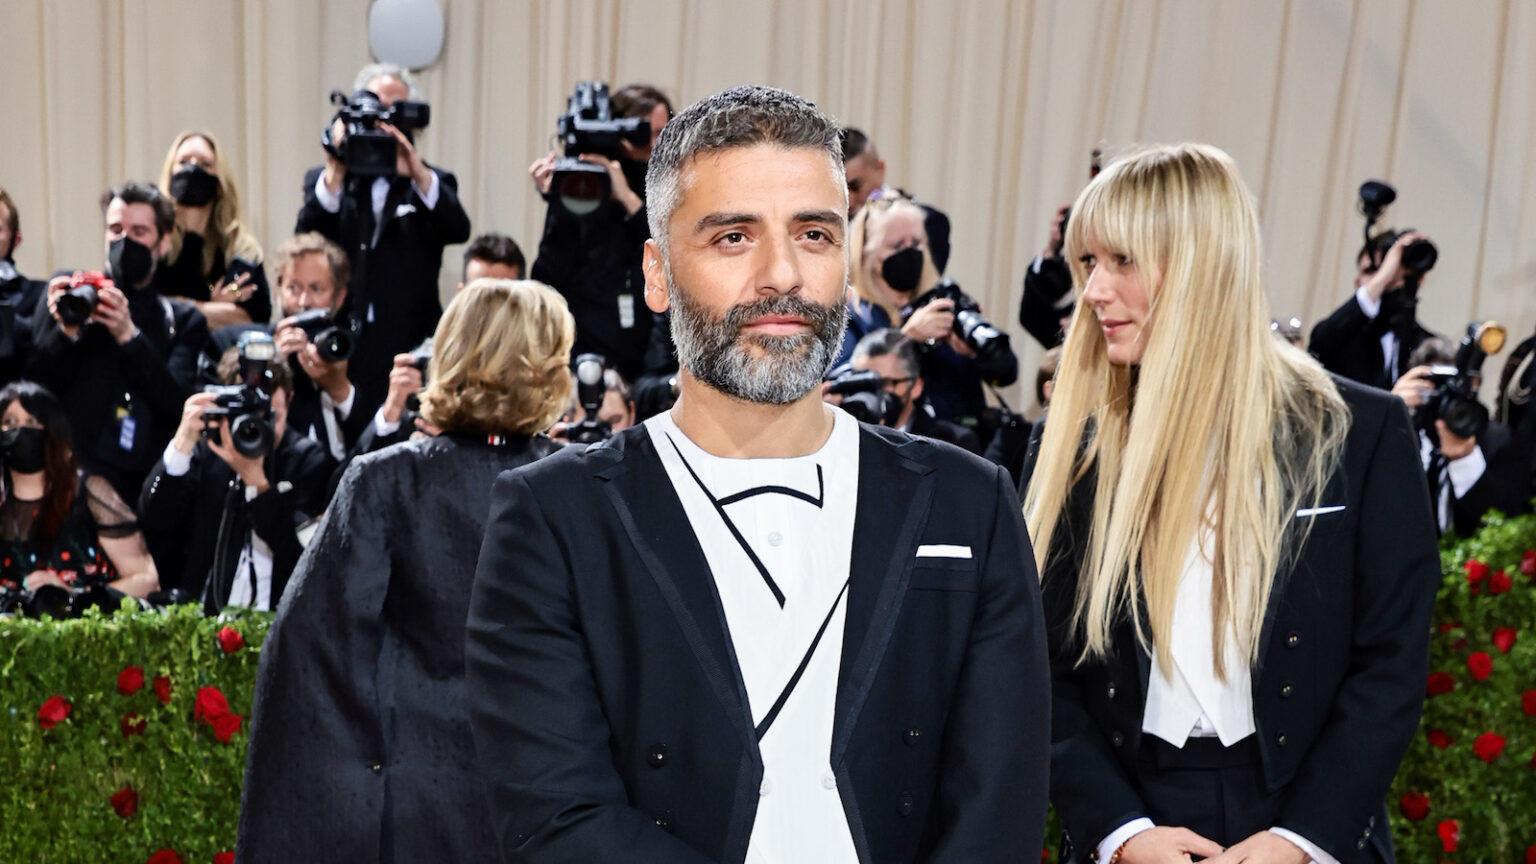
{"points": [[155, 732], [1467, 788]]}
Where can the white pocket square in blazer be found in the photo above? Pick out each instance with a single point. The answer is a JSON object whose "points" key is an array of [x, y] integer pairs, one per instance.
{"points": [[404, 210], [942, 550], [1319, 511]]}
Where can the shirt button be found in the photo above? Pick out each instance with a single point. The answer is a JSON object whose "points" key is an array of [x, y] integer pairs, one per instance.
{"points": [[829, 780], [775, 538], [765, 787]]}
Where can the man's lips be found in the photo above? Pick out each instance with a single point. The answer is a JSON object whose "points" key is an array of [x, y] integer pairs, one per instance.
{"points": [[778, 324]]}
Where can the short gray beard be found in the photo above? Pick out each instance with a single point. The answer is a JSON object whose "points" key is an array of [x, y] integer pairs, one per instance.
{"points": [[786, 368]]}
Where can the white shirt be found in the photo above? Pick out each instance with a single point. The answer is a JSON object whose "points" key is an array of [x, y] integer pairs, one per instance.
{"points": [[1456, 478], [252, 584], [806, 550], [333, 414]]}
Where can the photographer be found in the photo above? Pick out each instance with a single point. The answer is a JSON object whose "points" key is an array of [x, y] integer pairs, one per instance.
{"points": [[1468, 474], [1369, 337], [237, 515], [393, 228], [60, 525], [895, 358], [124, 366], [18, 296], [593, 259], [492, 256], [215, 261], [615, 409], [893, 280], [865, 172], [1048, 300]]}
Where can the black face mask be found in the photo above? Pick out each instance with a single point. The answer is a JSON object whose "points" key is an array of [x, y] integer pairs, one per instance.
{"points": [[903, 270], [130, 262], [194, 186], [22, 448]]}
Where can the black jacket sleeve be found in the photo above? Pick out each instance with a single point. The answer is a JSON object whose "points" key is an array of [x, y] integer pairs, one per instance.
{"points": [[165, 382], [450, 223], [1040, 309], [534, 708], [1336, 340], [312, 216]]}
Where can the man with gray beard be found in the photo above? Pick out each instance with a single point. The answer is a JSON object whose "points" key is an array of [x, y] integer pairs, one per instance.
{"points": [[751, 629]]}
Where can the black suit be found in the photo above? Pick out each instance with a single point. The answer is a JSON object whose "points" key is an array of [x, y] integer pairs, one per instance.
{"points": [[1505, 484], [611, 719], [1343, 658], [19, 301], [192, 508], [1348, 343], [395, 266]]}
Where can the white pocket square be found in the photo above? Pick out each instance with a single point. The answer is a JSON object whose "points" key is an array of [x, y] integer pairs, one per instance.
{"points": [[1318, 511], [404, 210], [942, 550]]}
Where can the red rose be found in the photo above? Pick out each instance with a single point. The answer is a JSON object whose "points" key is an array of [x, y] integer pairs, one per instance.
{"points": [[1504, 638], [1487, 747], [223, 858], [164, 856], [211, 705], [1530, 855], [1528, 702], [133, 725], [1528, 562], [163, 689], [1480, 665], [125, 801], [1459, 645], [1477, 571], [231, 641], [1438, 738], [1449, 831], [1499, 583], [130, 680], [225, 726], [1440, 682], [1415, 806], [53, 711]]}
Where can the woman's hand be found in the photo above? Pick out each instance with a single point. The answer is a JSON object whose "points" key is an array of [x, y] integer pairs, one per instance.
{"points": [[1265, 847], [543, 172], [1168, 844], [932, 322]]}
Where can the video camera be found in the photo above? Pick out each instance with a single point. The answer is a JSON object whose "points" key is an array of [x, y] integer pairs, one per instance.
{"points": [[334, 341], [588, 126], [367, 150], [1454, 397], [248, 405], [590, 390], [864, 396], [975, 330], [79, 300]]}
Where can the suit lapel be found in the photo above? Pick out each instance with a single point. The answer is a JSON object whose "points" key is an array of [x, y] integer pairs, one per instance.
{"points": [[641, 493], [895, 495]]}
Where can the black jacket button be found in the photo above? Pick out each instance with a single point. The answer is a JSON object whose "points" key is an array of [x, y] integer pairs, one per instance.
{"points": [[664, 822], [905, 805], [1286, 690], [912, 735], [1280, 739], [657, 756], [1117, 739], [1360, 844], [1110, 691], [1293, 640], [376, 768]]}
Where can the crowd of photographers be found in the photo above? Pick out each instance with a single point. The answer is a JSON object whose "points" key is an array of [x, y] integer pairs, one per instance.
{"points": [[172, 427]]}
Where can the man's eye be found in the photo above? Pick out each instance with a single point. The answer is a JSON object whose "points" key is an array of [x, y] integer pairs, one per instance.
{"points": [[734, 238], [817, 235]]}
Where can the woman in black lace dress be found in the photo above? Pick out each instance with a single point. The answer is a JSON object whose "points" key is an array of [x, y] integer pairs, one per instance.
{"points": [[59, 525]]}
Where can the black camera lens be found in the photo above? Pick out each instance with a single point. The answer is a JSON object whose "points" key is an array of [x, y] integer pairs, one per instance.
{"points": [[76, 305], [334, 344], [1420, 256], [579, 190], [251, 435], [981, 336]]}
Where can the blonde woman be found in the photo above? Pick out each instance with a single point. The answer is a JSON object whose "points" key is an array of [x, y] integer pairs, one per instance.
{"points": [[215, 261], [892, 268], [1237, 553], [360, 745]]}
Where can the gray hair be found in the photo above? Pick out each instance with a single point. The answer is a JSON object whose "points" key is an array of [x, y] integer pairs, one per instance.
{"points": [[738, 117], [366, 75], [890, 341]]}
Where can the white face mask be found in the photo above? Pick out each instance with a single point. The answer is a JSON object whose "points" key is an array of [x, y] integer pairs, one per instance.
{"points": [[7, 270]]}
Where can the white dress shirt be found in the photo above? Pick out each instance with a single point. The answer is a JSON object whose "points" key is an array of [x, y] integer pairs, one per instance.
{"points": [[1457, 476], [806, 550]]}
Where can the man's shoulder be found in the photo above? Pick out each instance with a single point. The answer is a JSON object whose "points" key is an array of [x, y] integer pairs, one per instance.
{"points": [[954, 464]]}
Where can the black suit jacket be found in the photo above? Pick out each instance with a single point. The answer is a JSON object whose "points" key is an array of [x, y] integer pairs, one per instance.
{"points": [[943, 430], [612, 723], [397, 274], [1348, 343], [1345, 653]]}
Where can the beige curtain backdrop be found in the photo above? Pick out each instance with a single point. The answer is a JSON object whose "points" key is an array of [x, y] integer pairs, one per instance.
{"points": [[985, 108]]}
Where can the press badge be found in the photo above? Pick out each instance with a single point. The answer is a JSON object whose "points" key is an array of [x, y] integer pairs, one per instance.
{"points": [[626, 311], [125, 434]]}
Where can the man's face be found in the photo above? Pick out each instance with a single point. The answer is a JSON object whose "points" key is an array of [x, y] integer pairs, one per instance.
{"points": [[658, 118], [866, 173], [895, 378], [137, 223], [279, 413], [756, 271], [307, 284], [479, 268], [7, 239]]}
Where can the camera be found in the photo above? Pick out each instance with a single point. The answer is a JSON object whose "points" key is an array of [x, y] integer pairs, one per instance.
{"points": [[367, 150], [864, 396], [590, 390], [1454, 397], [588, 126], [248, 405], [334, 341], [975, 330], [51, 601], [79, 300], [1420, 255]]}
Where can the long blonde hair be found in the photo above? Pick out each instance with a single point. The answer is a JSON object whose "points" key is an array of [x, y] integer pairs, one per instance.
{"points": [[865, 235], [1220, 418], [226, 232]]}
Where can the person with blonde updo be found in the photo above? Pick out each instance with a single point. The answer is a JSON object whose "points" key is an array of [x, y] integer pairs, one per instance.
{"points": [[360, 744]]}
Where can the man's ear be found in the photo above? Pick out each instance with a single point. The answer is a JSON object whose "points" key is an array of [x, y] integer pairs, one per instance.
{"points": [[917, 389], [163, 247], [656, 298]]}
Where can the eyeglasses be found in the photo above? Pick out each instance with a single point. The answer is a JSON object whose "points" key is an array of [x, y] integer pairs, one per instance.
{"points": [[893, 383]]}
